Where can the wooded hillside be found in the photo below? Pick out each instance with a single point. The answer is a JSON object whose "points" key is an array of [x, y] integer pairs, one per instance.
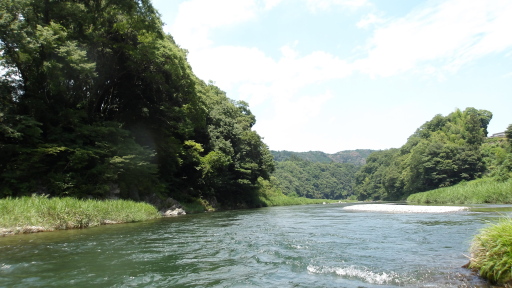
{"points": [[97, 101], [442, 152]]}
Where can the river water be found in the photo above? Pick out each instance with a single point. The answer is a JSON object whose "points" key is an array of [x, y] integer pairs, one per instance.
{"points": [[295, 246]]}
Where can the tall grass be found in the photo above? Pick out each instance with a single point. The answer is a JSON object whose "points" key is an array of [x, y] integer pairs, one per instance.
{"points": [[486, 190], [19, 215], [491, 252], [271, 196]]}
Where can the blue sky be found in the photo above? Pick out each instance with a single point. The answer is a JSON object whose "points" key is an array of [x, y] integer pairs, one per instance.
{"points": [[333, 75]]}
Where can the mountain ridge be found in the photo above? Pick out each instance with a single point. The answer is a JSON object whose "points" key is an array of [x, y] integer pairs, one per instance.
{"points": [[357, 156]]}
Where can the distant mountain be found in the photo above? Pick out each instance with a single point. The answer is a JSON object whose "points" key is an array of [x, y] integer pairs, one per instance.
{"points": [[313, 156], [357, 157]]}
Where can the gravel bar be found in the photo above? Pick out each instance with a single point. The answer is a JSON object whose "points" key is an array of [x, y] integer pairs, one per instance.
{"points": [[405, 208]]}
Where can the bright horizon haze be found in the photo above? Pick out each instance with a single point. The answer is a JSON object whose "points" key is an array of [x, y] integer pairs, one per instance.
{"points": [[334, 75]]}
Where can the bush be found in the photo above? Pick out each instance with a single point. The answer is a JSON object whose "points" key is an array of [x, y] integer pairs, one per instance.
{"points": [[491, 253]]}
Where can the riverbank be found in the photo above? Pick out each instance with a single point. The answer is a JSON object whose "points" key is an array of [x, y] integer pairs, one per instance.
{"points": [[43, 214], [491, 253], [39, 213], [480, 191]]}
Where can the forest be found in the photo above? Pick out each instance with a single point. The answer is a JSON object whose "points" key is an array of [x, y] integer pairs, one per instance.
{"points": [[302, 178], [96, 101], [316, 174], [444, 151]]}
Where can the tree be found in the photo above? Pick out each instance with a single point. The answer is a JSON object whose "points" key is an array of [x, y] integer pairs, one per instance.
{"points": [[508, 133], [96, 92], [442, 152]]}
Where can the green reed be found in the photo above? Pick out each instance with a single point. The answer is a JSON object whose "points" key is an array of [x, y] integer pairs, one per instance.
{"points": [[18, 214], [479, 191], [491, 252]]}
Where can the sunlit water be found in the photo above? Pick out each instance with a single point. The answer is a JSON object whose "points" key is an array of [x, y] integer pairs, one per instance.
{"points": [[298, 246]]}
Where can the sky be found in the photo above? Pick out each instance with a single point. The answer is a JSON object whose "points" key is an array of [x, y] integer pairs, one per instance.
{"points": [[334, 75]]}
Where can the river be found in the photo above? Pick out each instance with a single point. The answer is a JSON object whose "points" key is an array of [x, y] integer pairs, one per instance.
{"points": [[295, 246]]}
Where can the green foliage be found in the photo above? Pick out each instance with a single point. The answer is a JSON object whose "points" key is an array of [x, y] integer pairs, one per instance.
{"points": [[441, 153], [20, 214], [508, 133], [480, 191], [491, 253], [97, 97], [270, 195], [313, 156], [297, 177], [371, 181], [356, 157], [497, 157]]}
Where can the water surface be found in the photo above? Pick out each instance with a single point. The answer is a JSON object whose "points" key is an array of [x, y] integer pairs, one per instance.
{"points": [[297, 246]]}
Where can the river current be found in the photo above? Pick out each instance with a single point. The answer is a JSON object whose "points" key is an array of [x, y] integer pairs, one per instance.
{"points": [[295, 246]]}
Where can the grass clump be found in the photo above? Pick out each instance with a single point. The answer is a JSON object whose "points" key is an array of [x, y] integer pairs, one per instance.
{"points": [[486, 190], [491, 253], [196, 205], [39, 213]]}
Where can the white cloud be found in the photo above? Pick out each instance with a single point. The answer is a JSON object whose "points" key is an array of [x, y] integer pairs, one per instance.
{"points": [[269, 4], [369, 20], [285, 91], [452, 33], [231, 65], [290, 118], [253, 76], [320, 5], [196, 17]]}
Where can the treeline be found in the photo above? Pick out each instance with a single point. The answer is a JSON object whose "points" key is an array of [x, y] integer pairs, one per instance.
{"points": [[316, 174], [297, 177], [442, 152], [357, 157], [97, 101]]}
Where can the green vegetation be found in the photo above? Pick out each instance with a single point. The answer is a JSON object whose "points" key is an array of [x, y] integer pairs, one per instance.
{"points": [[486, 190], [356, 157], [300, 178], [494, 187], [271, 196], [316, 174], [491, 253], [442, 152], [37, 213], [97, 101]]}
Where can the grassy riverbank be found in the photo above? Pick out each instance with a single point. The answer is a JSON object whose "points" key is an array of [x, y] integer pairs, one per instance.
{"points": [[273, 197], [491, 253], [37, 213], [486, 190]]}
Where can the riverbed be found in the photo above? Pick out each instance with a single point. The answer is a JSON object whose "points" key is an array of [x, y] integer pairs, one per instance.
{"points": [[295, 246]]}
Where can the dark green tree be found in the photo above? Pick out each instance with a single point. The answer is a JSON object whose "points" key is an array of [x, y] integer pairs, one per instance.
{"points": [[508, 133], [96, 98], [442, 152]]}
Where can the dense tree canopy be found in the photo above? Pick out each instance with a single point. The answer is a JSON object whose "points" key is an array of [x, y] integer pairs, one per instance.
{"points": [[96, 98], [442, 152], [357, 157], [298, 177]]}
